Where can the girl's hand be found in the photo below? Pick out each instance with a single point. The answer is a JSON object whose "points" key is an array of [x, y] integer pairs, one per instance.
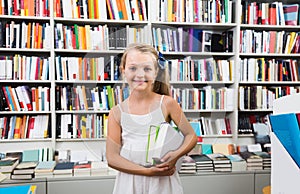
{"points": [[162, 171], [169, 160]]}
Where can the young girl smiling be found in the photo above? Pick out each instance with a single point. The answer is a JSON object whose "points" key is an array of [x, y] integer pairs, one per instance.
{"points": [[149, 103]]}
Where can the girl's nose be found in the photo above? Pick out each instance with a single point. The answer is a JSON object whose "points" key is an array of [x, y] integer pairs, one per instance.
{"points": [[140, 72]]}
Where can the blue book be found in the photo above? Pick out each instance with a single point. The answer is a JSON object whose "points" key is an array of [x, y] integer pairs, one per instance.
{"points": [[286, 128], [197, 127]]}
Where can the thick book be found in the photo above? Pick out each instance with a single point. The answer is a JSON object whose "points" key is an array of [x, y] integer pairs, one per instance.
{"points": [[45, 167], [63, 168], [286, 128], [161, 140]]}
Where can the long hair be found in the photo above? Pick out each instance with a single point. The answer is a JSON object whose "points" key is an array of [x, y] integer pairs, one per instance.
{"points": [[161, 84]]}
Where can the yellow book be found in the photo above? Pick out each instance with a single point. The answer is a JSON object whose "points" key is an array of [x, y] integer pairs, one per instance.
{"points": [[105, 120], [292, 41], [170, 11], [83, 126], [17, 130]]}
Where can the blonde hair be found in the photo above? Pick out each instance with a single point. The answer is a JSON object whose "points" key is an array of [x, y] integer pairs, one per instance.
{"points": [[161, 84]]}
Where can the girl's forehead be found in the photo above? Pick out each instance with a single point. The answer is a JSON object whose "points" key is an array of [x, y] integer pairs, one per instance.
{"points": [[137, 55]]}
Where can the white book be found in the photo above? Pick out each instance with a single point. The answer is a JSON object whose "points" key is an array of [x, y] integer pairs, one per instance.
{"points": [[166, 138], [20, 97], [128, 9], [102, 9]]}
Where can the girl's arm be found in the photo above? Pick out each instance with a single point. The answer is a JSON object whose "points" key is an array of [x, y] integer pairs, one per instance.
{"points": [[113, 147]]}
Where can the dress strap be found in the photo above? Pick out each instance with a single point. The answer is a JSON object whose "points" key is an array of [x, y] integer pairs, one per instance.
{"points": [[161, 99], [120, 107]]}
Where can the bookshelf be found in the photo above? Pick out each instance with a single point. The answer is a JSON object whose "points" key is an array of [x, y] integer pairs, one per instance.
{"points": [[262, 63], [60, 48]]}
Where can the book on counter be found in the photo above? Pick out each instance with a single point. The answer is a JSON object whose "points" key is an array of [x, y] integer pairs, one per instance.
{"points": [[82, 168], [63, 169], [237, 162], [44, 169], [7, 165], [25, 167], [161, 140]]}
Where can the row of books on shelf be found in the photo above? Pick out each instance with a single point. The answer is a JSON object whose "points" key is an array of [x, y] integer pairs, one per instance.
{"points": [[97, 37], [200, 11], [25, 98], [209, 126], [255, 124], [283, 42], [206, 98], [100, 9], [83, 97], [263, 69], [25, 8], [272, 13], [191, 40], [16, 34], [208, 69], [82, 68], [80, 126], [22, 67], [24, 127], [225, 158], [262, 97]]}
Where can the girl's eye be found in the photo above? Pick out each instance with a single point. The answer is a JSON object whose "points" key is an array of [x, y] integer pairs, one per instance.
{"points": [[148, 69], [132, 68]]}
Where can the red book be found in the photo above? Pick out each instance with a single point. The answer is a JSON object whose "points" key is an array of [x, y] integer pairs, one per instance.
{"points": [[272, 14], [30, 126]]}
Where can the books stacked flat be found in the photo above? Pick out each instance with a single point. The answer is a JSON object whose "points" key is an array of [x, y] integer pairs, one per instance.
{"points": [[82, 168], [99, 168], [7, 165], [221, 162], [188, 165], [44, 169], [266, 159], [237, 162], [63, 169], [24, 170], [203, 163], [254, 162]]}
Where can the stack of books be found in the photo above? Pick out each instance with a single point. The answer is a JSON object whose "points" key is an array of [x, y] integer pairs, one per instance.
{"points": [[254, 162], [99, 168], [221, 162], [266, 159], [24, 170], [203, 163], [63, 169], [44, 169], [7, 165], [188, 165], [237, 162], [82, 168]]}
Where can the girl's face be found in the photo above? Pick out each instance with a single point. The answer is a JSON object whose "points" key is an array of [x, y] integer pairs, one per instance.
{"points": [[139, 70]]}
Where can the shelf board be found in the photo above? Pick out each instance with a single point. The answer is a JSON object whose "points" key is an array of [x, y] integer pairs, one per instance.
{"points": [[81, 111], [204, 26], [269, 83], [81, 139]]}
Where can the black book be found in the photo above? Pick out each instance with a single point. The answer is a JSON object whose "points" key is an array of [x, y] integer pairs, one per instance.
{"points": [[3, 103], [57, 98], [201, 159], [217, 44]]}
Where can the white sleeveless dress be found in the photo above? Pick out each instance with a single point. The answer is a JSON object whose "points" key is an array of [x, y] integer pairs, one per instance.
{"points": [[134, 135]]}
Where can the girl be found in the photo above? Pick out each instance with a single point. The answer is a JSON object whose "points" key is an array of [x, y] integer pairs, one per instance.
{"points": [[148, 104]]}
